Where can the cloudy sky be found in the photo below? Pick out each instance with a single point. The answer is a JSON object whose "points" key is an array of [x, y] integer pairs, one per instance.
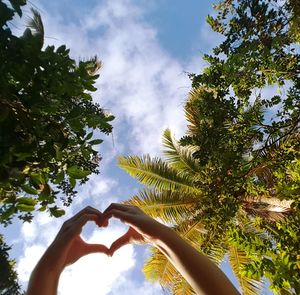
{"points": [[146, 47]]}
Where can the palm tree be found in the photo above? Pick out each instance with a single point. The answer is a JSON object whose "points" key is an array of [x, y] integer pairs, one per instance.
{"points": [[173, 195], [199, 189]]}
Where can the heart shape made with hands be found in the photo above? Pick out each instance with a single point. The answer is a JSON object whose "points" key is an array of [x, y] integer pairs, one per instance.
{"points": [[131, 236]]}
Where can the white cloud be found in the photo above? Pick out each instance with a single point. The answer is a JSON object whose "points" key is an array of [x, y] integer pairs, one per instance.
{"points": [[96, 191], [97, 273], [126, 286], [29, 259], [140, 83], [29, 231]]}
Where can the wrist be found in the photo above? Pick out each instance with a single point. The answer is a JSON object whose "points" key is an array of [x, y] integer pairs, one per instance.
{"points": [[161, 236]]}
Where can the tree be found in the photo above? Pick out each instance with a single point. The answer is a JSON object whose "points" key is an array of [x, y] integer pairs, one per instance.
{"points": [[47, 126], [231, 185], [177, 194], [47, 120], [8, 276]]}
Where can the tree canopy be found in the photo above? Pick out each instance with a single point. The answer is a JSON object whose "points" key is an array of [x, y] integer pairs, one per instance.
{"points": [[47, 119], [231, 185], [49, 126]]}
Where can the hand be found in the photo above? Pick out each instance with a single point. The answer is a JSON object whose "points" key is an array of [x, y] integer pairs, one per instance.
{"points": [[143, 229], [68, 246]]}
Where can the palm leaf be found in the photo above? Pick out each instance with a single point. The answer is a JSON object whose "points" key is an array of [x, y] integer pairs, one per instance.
{"points": [[237, 259], [179, 157], [192, 113], [192, 230], [159, 268], [156, 173], [169, 206], [269, 201], [216, 253], [36, 25], [182, 287]]}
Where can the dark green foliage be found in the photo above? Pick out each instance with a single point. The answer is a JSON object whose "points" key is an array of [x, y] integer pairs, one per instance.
{"points": [[8, 276], [47, 119]]}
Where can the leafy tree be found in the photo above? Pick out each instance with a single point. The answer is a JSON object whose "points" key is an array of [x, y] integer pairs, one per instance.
{"points": [[181, 192], [8, 276], [231, 185], [47, 125], [47, 120]]}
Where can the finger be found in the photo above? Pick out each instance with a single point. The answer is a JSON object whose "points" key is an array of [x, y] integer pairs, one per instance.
{"points": [[86, 210], [102, 222], [121, 207], [124, 217], [77, 225], [95, 248], [120, 242]]}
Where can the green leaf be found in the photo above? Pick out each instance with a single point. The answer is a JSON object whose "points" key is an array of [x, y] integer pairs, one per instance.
{"points": [[61, 49], [110, 118], [237, 260], [57, 212], [29, 190], [16, 4], [37, 178], [59, 177], [89, 136], [45, 193], [86, 152], [58, 152], [180, 158], [25, 208], [169, 206], [26, 201], [77, 173], [157, 174], [95, 141], [72, 182], [7, 213]]}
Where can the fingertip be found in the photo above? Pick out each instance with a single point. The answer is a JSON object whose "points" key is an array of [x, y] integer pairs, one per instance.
{"points": [[102, 222]]}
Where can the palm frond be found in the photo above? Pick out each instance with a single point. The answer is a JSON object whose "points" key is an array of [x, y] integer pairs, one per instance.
{"points": [[156, 173], [238, 259], [192, 230], [169, 206], [267, 200], [182, 287], [159, 268], [192, 113], [263, 173], [36, 25], [216, 253], [249, 226], [268, 208], [179, 157]]}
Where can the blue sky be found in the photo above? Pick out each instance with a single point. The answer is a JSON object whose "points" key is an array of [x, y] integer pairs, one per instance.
{"points": [[146, 48]]}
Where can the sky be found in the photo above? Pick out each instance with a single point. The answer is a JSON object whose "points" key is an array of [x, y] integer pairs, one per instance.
{"points": [[147, 49]]}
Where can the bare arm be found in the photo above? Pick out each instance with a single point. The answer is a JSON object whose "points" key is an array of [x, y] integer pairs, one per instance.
{"points": [[66, 248], [202, 274]]}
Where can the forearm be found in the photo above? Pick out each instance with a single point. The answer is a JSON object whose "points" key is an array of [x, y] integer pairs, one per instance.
{"points": [[43, 280], [202, 274]]}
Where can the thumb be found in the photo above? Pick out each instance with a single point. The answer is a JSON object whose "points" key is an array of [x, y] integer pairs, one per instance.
{"points": [[120, 242]]}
